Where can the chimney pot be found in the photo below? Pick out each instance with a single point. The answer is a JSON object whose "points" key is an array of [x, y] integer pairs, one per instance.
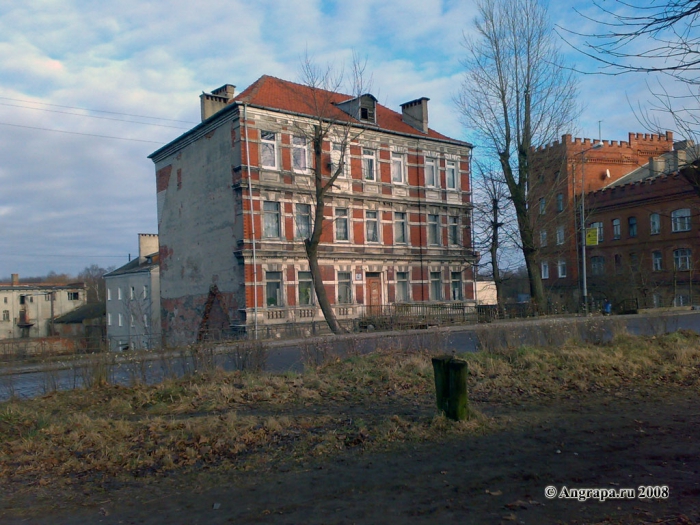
{"points": [[15, 279]]}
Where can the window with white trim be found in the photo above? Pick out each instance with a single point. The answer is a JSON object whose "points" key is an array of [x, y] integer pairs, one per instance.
{"points": [[561, 268], [599, 227], [341, 224], [560, 235], [453, 231], [371, 226], [120, 320], [654, 224], [451, 175], [400, 228], [109, 319], [398, 168], [303, 218], [617, 229], [543, 206], [682, 260], [657, 261], [543, 238], [344, 288], [431, 173], [544, 267], [402, 289], [268, 149], [300, 154], [369, 164], [436, 286], [560, 202], [306, 287], [456, 288], [273, 289], [337, 154], [271, 220], [433, 230], [632, 226], [109, 294], [680, 220], [5, 315]]}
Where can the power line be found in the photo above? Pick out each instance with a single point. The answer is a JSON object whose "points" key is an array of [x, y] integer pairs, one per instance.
{"points": [[97, 110], [76, 133], [92, 116]]}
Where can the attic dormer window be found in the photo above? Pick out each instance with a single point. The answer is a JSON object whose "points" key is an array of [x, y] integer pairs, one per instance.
{"points": [[367, 110]]}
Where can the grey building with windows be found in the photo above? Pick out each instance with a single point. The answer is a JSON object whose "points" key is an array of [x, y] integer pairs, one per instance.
{"points": [[133, 300]]}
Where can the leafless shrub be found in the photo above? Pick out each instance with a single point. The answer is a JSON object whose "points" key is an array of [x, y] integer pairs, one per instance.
{"points": [[249, 356], [316, 352]]}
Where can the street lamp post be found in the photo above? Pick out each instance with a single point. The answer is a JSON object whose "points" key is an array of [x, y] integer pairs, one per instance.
{"points": [[584, 285]]}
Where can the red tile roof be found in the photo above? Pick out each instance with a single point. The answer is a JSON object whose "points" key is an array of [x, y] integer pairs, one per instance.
{"points": [[275, 93]]}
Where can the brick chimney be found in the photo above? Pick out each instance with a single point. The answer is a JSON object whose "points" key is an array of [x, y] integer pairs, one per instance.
{"points": [[415, 114], [218, 99], [148, 245], [15, 279]]}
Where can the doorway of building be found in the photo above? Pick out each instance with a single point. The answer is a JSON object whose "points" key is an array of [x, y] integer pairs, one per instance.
{"points": [[374, 293]]}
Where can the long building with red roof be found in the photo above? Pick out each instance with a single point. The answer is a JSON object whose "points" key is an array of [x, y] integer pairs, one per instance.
{"points": [[236, 199]]}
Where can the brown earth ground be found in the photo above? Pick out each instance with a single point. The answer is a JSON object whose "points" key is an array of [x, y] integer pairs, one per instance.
{"points": [[623, 434]]}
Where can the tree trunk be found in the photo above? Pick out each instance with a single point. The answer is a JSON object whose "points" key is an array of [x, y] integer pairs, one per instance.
{"points": [[313, 242], [498, 281]]}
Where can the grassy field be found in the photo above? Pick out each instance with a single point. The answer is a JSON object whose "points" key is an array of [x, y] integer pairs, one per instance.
{"points": [[243, 420]]}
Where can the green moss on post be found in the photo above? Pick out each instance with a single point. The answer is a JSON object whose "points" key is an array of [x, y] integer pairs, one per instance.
{"points": [[451, 387]]}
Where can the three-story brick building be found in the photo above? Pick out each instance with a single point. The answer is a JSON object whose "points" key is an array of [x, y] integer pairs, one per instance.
{"points": [[236, 199]]}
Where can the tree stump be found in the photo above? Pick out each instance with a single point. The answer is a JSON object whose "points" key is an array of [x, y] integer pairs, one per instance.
{"points": [[451, 387]]}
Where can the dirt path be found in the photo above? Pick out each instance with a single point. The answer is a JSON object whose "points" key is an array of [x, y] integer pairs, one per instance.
{"points": [[595, 442]]}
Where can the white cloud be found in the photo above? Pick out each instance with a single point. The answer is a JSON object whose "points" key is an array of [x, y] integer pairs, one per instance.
{"points": [[69, 195]]}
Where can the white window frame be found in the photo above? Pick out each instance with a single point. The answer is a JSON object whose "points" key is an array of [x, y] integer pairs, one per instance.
{"points": [[543, 238], [119, 293], [617, 229], [342, 216], [561, 234], [300, 151], [657, 261], [654, 224], [268, 142], [120, 319], [431, 163], [300, 212], [680, 220], [453, 237], [398, 168], [309, 280], [109, 319], [400, 282], [400, 226], [436, 290], [269, 217], [345, 282], [543, 206], [369, 164], [369, 220], [561, 268], [451, 175], [560, 202], [434, 229], [544, 269], [109, 294], [270, 279], [682, 259], [456, 292], [336, 148]]}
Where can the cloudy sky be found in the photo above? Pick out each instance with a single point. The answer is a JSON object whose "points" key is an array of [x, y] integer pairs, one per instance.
{"points": [[89, 89]]}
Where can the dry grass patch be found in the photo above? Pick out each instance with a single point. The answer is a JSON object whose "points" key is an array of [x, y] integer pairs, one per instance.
{"points": [[244, 420]]}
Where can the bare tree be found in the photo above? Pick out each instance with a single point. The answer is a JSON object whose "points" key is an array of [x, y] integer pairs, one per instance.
{"points": [[515, 96], [647, 37], [330, 124], [492, 221], [93, 277]]}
